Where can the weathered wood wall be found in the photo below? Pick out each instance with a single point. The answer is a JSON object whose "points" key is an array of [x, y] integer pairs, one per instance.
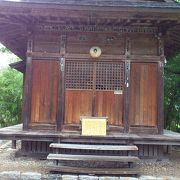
{"points": [[45, 75], [143, 44], [81, 42], [143, 95], [110, 105], [135, 107], [77, 103]]}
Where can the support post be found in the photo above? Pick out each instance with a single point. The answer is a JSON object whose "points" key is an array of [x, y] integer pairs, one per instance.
{"points": [[61, 97], [160, 96], [127, 84], [27, 92], [26, 109], [13, 144], [160, 85]]}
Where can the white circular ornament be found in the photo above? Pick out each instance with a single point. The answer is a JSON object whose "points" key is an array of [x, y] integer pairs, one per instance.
{"points": [[95, 52]]}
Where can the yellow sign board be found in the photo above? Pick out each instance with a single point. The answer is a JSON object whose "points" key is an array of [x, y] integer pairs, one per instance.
{"points": [[93, 126]]}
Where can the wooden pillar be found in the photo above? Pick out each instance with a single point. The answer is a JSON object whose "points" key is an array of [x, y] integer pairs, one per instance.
{"points": [[26, 110], [126, 88], [61, 96], [27, 92], [13, 144], [160, 85], [160, 95]]}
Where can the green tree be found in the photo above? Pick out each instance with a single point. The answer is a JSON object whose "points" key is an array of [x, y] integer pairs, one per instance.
{"points": [[4, 50], [10, 97], [10, 92], [172, 94]]}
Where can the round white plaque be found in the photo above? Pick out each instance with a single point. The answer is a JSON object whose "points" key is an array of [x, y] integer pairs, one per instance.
{"points": [[95, 52]]}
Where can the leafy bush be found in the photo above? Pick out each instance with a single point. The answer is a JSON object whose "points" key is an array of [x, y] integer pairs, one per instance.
{"points": [[10, 97], [172, 94]]}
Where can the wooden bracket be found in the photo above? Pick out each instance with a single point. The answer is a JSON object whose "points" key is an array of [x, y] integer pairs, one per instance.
{"points": [[128, 48], [62, 63], [30, 43], [127, 70], [160, 45], [63, 45]]}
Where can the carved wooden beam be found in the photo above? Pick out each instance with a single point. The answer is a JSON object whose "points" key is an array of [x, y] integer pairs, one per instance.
{"points": [[94, 28]]}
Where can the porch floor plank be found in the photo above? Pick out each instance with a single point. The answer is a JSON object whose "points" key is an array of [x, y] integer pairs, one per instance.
{"points": [[94, 147], [71, 157]]}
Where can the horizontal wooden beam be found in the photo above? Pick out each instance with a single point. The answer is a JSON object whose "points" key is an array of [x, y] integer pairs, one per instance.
{"points": [[94, 147], [16, 133], [98, 171], [70, 157], [68, 56]]}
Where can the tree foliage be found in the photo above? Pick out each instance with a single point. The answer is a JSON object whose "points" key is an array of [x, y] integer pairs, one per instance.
{"points": [[172, 94], [4, 50], [10, 93], [10, 97]]}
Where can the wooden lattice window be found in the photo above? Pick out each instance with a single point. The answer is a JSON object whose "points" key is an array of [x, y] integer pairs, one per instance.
{"points": [[79, 75], [109, 76], [106, 75]]}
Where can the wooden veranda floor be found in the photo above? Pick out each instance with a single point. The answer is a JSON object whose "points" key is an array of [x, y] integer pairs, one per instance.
{"points": [[16, 133]]}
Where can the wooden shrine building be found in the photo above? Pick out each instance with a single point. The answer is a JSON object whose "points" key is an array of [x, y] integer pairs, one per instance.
{"points": [[95, 59]]}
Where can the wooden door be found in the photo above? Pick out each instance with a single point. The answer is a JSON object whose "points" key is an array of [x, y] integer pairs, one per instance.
{"points": [[78, 91], [109, 91], [143, 95], [94, 89]]}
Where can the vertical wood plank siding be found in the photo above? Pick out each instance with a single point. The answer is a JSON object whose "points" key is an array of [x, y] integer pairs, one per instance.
{"points": [[83, 86], [77, 103], [45, 80], [143, 95], [109, 105], [94, 89]]}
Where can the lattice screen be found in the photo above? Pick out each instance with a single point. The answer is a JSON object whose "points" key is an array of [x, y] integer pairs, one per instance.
{"points": [[107, 75], [79, 75]]}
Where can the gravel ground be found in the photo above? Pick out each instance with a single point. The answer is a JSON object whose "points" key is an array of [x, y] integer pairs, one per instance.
{"points": [[9, 162]]}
